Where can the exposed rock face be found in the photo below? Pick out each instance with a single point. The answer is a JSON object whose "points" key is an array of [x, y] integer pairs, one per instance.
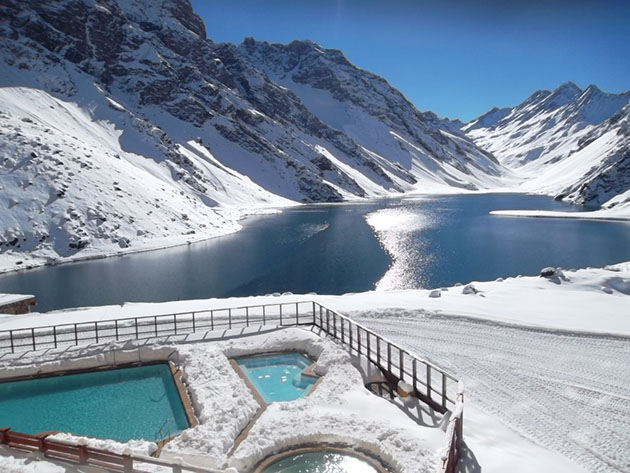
{"points": [[571, 142], [154, 57], [134, 117], [367, 109]]}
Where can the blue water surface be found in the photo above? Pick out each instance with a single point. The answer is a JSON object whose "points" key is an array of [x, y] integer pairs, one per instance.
{"points": [[119, 404], [277, 377], [330, 249], [320, 462]]}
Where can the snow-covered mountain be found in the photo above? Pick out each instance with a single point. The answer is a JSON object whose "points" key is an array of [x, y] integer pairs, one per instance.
{"points": [[120, 115], [406, 143], [569, 142]]}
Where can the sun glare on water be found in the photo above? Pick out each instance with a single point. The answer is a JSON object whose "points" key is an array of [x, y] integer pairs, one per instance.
{"points": [[399, 231]]}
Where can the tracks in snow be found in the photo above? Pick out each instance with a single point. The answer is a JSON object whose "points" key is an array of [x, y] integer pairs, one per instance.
{"points": [[567, 391]]}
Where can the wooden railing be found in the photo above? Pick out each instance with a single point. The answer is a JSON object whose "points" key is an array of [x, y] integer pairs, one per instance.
{"points": [[77, 453], [433, 385]]}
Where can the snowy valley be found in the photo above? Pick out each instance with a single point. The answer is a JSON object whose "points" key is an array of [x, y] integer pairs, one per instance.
{"points": [[121, 116], [125, 128]]}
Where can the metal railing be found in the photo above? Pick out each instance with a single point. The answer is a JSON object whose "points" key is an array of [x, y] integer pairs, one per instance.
{"points": [[163, 325], [433, 385], [75, 452]]}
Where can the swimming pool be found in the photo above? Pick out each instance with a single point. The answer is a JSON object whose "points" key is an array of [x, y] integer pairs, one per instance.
{"points": [[278, 376], [139, 402], [320, 462]]}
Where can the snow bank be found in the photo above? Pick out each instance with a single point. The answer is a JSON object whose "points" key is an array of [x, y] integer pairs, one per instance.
{"points": [[621, 212], [592, 300]]}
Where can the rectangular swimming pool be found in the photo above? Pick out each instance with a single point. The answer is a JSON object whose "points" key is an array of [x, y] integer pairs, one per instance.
{"points": [[278, 376], [139, 402]]}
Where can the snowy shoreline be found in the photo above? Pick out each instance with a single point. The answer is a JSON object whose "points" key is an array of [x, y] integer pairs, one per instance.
{"points": [[604, 215], [33, 260]]}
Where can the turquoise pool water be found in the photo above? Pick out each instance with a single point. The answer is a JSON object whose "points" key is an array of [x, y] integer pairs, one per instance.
{"points": [[278, 377], [320, 462], [119, 404]]}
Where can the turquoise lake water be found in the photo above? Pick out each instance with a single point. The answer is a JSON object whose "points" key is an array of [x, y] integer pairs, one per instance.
{"points": [[119, 404], [330, 249], [320, 462], [277, 377]]}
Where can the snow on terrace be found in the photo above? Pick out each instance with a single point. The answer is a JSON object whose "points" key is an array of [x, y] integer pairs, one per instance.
{"points": [[340, 409], [544, 361]]}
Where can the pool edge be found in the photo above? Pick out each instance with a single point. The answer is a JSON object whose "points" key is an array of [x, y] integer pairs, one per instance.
{"points": [[362, 454]]}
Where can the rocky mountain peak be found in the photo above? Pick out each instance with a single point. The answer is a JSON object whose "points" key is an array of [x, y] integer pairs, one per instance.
{"points": [[568, 87]]}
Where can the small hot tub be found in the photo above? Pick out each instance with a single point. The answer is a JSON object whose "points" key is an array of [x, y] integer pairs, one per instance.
{"points": [[319, 461], [278, 376]]}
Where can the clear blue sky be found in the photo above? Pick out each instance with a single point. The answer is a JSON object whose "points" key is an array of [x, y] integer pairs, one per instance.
{"points": [[456, 58]]}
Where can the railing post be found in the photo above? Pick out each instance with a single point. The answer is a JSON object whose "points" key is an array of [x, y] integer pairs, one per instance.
{"points": [[297, 314], [415, 376], [230, 317], [459, 429], [342, 333], [127, 463], [314, 316], [378, 351], [212, 320], [83, 455], [389, 357], [76, 335], [33, 336], [155, 323], [359, 340], [136, 325], [402, 361], [280, 315], [247, 316], [12, 343], [194, 325], [350, 335], [443, 390], [175, 322], [429, 381], [55, 334], [116, 328], [368, 349], [264, 321], [96, 331], [4, 435]]}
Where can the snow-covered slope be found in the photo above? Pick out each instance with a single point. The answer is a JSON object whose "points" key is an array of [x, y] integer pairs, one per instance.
{"points": [[118, 116], [568, 142], [415, 147], [68, 186]]}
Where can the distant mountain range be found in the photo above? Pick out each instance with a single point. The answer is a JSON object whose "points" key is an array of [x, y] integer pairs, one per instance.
{"points": [[124, 127], [569, 142]]}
